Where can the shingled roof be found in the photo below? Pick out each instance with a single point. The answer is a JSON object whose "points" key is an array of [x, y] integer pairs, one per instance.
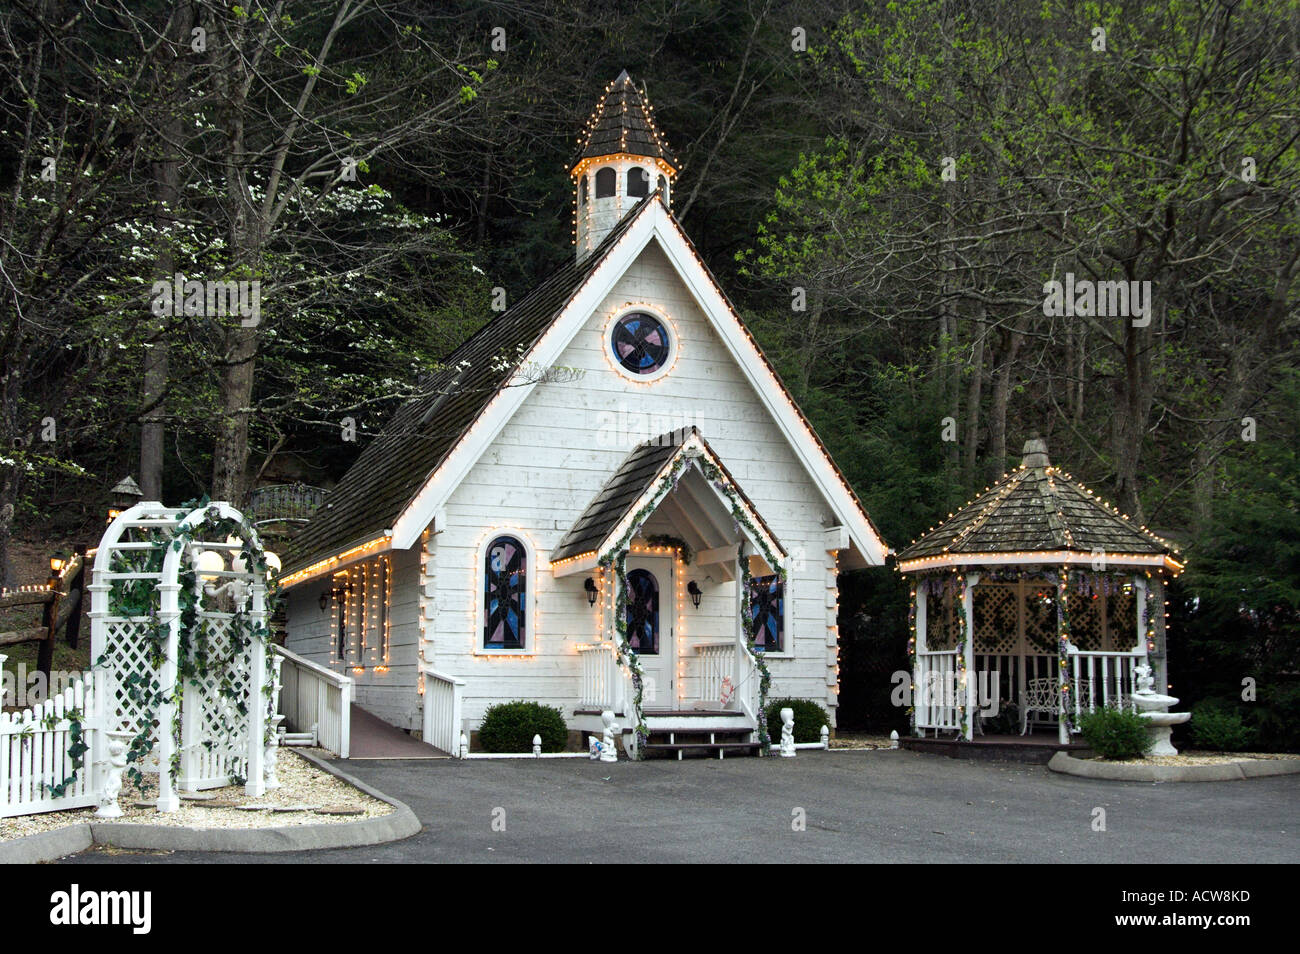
{"points": [[423, 431], [623, 122], [630, 482], [1034, 509]]}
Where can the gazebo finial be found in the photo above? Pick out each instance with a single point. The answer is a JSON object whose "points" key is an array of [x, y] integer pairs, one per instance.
{"points": [[1035, 452]]}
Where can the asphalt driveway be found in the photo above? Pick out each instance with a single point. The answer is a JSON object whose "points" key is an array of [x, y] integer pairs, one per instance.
{"points": [[857, 806]]}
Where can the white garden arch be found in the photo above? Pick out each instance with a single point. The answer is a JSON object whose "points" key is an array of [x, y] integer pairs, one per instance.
{"points": [[178, 619]]}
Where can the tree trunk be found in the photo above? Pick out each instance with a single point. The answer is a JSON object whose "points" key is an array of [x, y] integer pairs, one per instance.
{"points": [[973, 394], [999, 399], [166, 173]]}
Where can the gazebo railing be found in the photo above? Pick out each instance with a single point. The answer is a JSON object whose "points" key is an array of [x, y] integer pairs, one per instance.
{"points": [[934, 696], [1109, 676]]}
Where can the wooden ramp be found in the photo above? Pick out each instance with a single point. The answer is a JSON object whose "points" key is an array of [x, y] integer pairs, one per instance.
{"points": [[373, 738]]}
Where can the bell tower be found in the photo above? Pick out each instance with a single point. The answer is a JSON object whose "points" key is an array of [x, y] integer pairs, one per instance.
{"points": [[622, 158]]}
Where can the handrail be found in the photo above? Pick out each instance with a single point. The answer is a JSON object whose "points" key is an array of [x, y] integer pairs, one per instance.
{"points": [[327, 674], [443, 700], [307, 706], [454, 680]]}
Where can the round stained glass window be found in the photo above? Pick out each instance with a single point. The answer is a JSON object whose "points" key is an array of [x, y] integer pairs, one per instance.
{"points": [[640, 342]]}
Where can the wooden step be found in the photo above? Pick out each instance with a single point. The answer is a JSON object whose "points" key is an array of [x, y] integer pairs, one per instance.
{"points": [[722, 749]]}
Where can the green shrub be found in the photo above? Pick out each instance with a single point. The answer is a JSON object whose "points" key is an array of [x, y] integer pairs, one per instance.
{"points": [[1115, 734], [510, 727], [809, 718], [1219, 729]]}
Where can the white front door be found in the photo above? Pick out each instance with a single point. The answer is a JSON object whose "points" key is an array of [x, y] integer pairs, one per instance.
{"points": [[650, 627]]}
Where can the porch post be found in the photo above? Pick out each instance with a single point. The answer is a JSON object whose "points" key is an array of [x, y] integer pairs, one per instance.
{"points": [[1062, 717], [920, 691], [968, 609], [742, 648]]}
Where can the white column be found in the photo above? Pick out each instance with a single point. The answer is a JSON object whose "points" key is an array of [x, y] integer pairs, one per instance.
{"points": [[968, 608], [1063, 717], [169, 614], [920, 693], [255, 778]]}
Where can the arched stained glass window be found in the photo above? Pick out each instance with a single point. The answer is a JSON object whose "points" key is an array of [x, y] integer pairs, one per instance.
{"points": [[767, 608], [640, 342], [643, 612], [505, 597], [582, 191], [606, 182]]}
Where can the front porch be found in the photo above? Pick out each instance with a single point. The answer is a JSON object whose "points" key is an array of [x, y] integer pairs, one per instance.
{"points": [[687, 588]]}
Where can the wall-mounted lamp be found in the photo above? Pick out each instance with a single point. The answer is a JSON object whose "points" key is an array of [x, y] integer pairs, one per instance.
{"points": [[693, 588], [337, 593], [590, 586]]}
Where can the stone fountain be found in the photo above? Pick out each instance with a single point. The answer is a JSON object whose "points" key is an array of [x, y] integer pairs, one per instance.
{"points": [[1154, 707]]}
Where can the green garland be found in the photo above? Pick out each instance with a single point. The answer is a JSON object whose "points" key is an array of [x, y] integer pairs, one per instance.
{"points": [[960, 660], [1063, 645]]}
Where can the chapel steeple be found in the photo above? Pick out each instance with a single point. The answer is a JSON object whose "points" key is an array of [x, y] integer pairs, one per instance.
{"points": [[622, 158]]}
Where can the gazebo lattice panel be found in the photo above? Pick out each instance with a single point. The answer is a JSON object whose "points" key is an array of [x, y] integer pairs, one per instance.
{"points": [[997, 624], [1085, 621]]}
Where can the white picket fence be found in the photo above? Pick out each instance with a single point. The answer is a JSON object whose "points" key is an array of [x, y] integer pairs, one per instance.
{"points": [[34, 746]]}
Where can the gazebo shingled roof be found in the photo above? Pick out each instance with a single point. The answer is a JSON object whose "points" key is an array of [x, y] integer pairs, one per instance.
{"points": [[623, 122], [1035, 508]]}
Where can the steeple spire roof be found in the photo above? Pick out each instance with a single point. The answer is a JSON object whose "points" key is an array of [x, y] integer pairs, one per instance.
{"points": [[623, 123]]}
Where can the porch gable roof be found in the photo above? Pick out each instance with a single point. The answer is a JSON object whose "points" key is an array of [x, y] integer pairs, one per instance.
{"points": [[595, 529]]}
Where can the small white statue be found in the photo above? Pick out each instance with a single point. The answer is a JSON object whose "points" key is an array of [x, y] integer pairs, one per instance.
{"points": [[607, 751], [787, 733], [537, 746], [1145, 681], [108, 807]]}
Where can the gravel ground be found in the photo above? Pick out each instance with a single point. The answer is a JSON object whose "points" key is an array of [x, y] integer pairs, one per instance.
{"points": [[1209, 758], [305, 793]]}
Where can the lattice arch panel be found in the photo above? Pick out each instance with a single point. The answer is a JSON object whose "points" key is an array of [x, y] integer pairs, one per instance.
{"points": [[194, 662]]}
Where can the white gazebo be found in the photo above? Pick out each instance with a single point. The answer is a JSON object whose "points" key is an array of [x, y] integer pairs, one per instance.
{"points": [[1037, 595]]}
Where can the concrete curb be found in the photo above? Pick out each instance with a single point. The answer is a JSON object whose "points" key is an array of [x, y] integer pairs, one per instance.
{"points": [[1065, 764], [50, 845], [46, 846]]}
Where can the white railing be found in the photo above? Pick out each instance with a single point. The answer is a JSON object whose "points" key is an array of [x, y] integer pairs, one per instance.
{"points": [[715, 671], [1004, 678], [314, 699], [1103, 679], [443, 696], [936, 690], [603, 682], [34, 750]]}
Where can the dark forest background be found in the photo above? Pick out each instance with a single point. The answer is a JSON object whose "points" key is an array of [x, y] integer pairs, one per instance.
{"points": [[913, 173]]}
